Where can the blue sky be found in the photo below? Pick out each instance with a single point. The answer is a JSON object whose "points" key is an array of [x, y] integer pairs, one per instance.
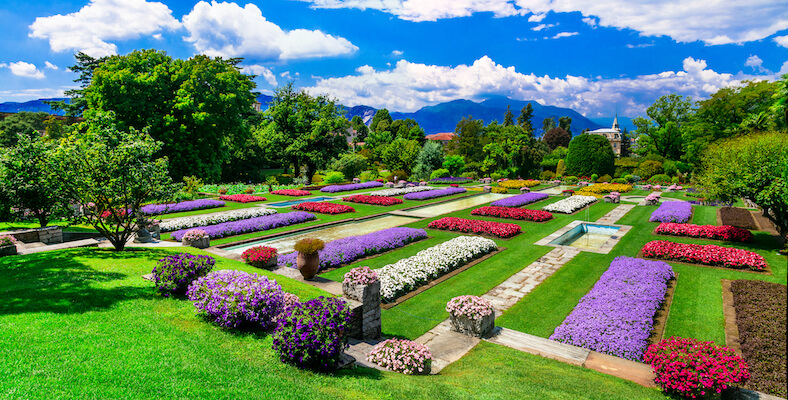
{"points": [[598, 57]]}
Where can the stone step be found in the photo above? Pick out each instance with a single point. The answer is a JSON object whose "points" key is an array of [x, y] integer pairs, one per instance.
{"points": [[637, 372], [540, 346], [60, 246]]}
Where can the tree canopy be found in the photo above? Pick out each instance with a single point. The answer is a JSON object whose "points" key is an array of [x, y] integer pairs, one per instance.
{"points": [[590, 154], [556, 137]]}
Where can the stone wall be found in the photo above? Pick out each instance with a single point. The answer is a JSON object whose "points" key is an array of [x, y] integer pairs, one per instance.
{"points": [[48, 235], [365, 320]]}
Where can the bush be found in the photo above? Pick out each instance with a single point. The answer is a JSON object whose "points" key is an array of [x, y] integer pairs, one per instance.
{"points": [[635, 178], [454, 163], [402, 355], [590, 154], [560, 168], [604, 178], [547, 175], [350, 164], [649, 168], [258, 256], [628, 178], [173, 274], [400, 174], [675, 179], [669, 167], [571, 179], [440, 173], [334, 177], [659, 178], [471, 174], [236, 298], [309, 245], [367, 176], [619, 180], [317, 178], [313, 334]]}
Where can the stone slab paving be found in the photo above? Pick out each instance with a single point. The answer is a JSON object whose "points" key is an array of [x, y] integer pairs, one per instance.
{"points": [[30, 248], [540, 346], [446, 345], [616, 214]]}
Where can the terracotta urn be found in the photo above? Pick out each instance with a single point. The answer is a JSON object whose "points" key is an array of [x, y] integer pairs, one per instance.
{"points": [[308, 264]]}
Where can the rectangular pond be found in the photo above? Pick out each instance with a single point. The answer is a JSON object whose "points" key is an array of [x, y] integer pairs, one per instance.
{"points": [[299, 201], [456, 205], [586, 236]]}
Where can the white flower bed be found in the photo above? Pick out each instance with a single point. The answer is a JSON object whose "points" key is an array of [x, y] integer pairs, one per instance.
{"points": [[175, 224], [409, 273], [399, 192], [570, 204]]}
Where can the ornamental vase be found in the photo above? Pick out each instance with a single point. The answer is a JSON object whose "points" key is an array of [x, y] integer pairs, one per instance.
{"points": [[198, 243], [473, 327], [8, 250], [308, 264]]}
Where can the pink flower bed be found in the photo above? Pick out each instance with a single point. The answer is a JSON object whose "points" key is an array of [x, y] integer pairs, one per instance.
{"points": [[513, 213], [374, 200], [292, 192], [707, 254], [324, 208], [500, 229], [725, 232], [242, 198]]}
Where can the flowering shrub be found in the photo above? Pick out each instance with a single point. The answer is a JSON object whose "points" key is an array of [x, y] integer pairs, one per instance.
{"points": [[707, 254], [194, 234], [173, 274], [519, 200], [725, 232], [312, 334], [431, 194], [518, 183], [309, 245], [251, 225], [570, 204], [473, 307], [7, 240], [513, 213], [191, 205], [292, 192], [349, 249], [352, 186], [374, 200], [258, 256], [401, 191], [616, 317], [237, 298], [361, 276], [402, 355], [409, 273], [450, 179], [173, 224], [500, 229], [242, 198], [672, 211], [324, 208], [691, 368]]}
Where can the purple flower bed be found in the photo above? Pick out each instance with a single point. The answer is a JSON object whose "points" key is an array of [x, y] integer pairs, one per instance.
{"points": [[713, 203], [672, 211], [353, 186], [349, 249], [519, 200], [616, 317], [263, 223], [431, 194], [152, 209], [450, 179], [236, 298]]}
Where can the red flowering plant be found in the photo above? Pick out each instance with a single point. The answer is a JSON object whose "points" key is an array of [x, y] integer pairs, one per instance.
{"points": [[292, 192], [242, 198], [374, 200], [513, 213], [500, 229], [707, 254], [725, 232], [258, 256], [691, 368], [324, 208]]}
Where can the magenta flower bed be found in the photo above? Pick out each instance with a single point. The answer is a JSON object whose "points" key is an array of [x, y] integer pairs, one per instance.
{"points": [[707, 254], [513, 213], [242, 198], [500, 229], [616, 317], [263, 223], [374, 200], [324, 208], [672, 211], [431, 194], [725, 232], [291, 192], [191, 205], [519, 200], [353, 186]]}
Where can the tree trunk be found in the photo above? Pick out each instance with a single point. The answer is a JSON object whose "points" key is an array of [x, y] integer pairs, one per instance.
{"points": [[43, 219], [296, 167], [309, 171]]}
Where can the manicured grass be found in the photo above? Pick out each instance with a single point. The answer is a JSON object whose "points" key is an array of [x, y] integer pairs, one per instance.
{"points": [[10, 226]]}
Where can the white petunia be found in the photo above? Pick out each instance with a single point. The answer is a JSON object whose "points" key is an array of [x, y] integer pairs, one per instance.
{"points": [[570, 204], [175, 224]]}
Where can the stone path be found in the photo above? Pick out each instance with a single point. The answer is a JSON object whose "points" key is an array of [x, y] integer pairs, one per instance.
{"points": [[616, 214], [38, 247]]}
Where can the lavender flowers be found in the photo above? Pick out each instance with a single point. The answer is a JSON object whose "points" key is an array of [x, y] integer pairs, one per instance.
{"points": [[519, 200], [235, 298], [250, 225], [154, 209], [672, 211], [353, 186], [431, 194]]}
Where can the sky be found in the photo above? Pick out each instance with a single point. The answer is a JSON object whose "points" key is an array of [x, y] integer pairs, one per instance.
{"points": [[598, 57]]}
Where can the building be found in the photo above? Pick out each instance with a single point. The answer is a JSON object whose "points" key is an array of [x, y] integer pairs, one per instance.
{"points": [[443, 137], [613, 135]]}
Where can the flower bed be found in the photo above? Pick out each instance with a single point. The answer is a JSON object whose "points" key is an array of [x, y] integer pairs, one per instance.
{"points": [[292, 192], [352, 186], [616, 317], [409, 273], [520, 200], [500, 229], [236, 298], [738, 217], [691, 368], [173, 224], [259, 256], [570, 204], [513, 213], [173, 274], [374, 200], [519, 183], [191, 205], [242, 198], [349, 249], [761, 318], [471, 315], [725, 232], [450, 179], [401, 191], [434, 193], [707, 254], [672, 211], [402, 355], [604, 188], [323, 208], [251, 225]]}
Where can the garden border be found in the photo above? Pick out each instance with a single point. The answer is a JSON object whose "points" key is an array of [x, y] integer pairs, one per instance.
{"points": [[729, 314], [654, 232], [663, 313], [767, 271], [369, 256]]}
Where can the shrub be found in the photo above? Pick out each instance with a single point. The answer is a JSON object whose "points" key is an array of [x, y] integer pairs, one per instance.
{"points": [[402, 355], [589, 154], [570, 179], [604, 178], [659, 178], [236, 298], [440, 173], [545, 175], [619, 181], [471, 174], [649, 168], [173, 274], [496, 175], [317, 178], [334, 177], [560, 169], [309, 245], [594, 177], [366, 176], [312, 334], [351, 165], [400, 174], [258, 256]]}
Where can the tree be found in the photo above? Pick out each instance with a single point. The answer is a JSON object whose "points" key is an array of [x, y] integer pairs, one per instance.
{"points": [[556, 137], [54, 128], [565, 123], [754, 167], [429, 159], [78, 104], [663, 129], [550, 161], [780, 96], [454, 163], [360, 127], [381, 121], [547, 124], [23, 123], [401, 155], [508, 118], [110, 173], [408, 129], [350, 164], [524, 120], [590, 154], [467, 140]]}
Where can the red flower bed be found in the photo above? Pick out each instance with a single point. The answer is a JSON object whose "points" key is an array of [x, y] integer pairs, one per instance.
{"points": [[500, 229], [242, 198], [725, 232], [258, 256], [708, 254], [691, 368], [374, 200], [324, 208], [513, 213], [291, 192]]}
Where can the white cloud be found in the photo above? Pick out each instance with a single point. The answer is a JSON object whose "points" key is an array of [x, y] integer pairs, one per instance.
{"points": [[756, 64], [639, 46], [563, 35], [537, 17], [409, 86], [783, 69], [711, 21], [397, 53], [24, 69], [227, 30], [89, 29], [590, 21], [542, 26], [49, 65], [260, 70], [3, 65], [32, 94], [781, 40]]}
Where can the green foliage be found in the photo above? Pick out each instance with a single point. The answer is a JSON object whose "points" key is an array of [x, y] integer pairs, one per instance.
{"points": [[662, 132], [350, 164], [381, 122], [367, 176], [524, 119], [454, 163], [589, 154], [440, 173], [604, 178], [547, 124], [470, 174], [361, 129], [467, 141], [408, 129], [649, 168], [571, 179], [619, 180], [565, 123], [547, 175], [23, 123], [628, 177], [401, 154], [400, 175], [508, 118], [429, 159], [560, 168], [309, 246], [334, 177], [594, 177], [191, 185], [669, 167]]}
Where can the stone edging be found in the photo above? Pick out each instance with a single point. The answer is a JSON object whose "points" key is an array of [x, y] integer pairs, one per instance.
{"points": [[658, 329], [731, 327]]}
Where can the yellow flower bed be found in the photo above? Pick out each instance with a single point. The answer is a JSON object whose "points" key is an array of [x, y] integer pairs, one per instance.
{"points": [[499, 190], [518, 183], [475, 189], [603, 188]]}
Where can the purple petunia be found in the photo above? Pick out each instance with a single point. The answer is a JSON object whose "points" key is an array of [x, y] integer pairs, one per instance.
{"points": [[519, 200], [236, 298], [154, 209], [431, 194], [263, 223], [353, 186], [672, 211]]}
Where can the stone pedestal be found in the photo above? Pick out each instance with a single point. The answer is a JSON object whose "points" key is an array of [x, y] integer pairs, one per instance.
{"points": [[487, 189], [356, 180], [365, 320], [199, 243], [524, 190], [8, 250], [142, 236], [473, 327], [422, 183]]}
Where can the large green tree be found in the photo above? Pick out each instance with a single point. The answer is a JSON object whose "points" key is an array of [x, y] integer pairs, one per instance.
{"points": [[429, 159], [408, 129], [565, 123], [590, 154], [468, 139], [661, 133], [508, 118], [401, 155], [547, 124], [360, 127], [525, 117], [23, 123], [381, 121], [350, 164]]}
